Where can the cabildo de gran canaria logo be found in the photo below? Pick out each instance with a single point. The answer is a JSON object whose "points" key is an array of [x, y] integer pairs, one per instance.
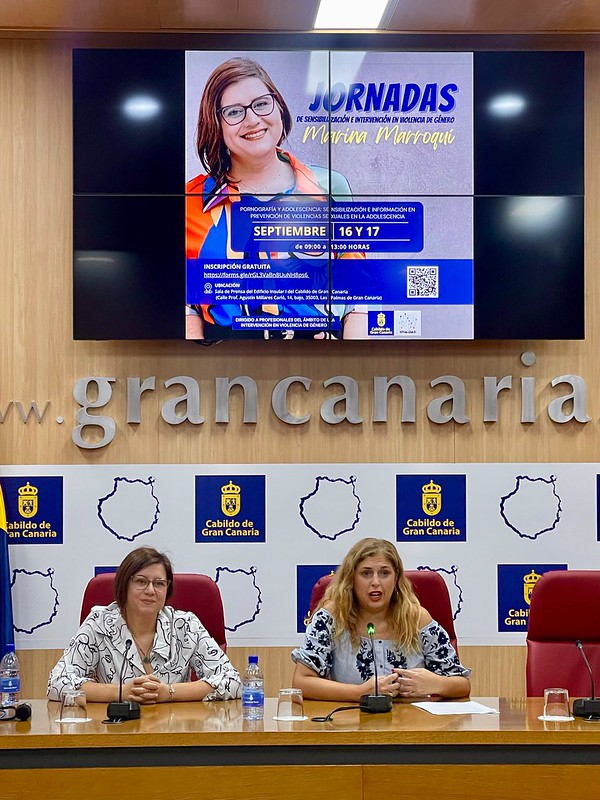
{"points": [[431, 499], [380, 323], [219, 505], [34, 509], [28, 500], [230, 499], [516, 583], [529, 581], [422, 514]]}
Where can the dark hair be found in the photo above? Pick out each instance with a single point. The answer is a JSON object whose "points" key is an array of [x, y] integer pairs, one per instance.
{"points": [[132, 564], [209, 138]]}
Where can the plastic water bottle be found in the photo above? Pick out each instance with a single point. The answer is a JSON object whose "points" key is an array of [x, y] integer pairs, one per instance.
{"points": [[10, 677], [253, 691]]}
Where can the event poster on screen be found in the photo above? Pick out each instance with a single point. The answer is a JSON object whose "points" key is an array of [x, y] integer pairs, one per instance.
{"points": [[371, 237]]}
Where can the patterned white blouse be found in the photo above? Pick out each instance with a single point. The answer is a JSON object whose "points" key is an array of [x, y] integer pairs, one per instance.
{"points": [[182, 645], [337, 660]]}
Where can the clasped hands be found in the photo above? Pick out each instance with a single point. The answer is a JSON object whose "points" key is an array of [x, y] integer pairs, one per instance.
{"points": [[146, 690], [417, 682]]}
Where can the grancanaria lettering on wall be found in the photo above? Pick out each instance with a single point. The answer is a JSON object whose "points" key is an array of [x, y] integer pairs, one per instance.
{"points": [[93, 393], [450, 406]]}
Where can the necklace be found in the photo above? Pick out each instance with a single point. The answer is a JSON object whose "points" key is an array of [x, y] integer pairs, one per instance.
{"points": [[144, 653], [257, 189], [271, 187]]}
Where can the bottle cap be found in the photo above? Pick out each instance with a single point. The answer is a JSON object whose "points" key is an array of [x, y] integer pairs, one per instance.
{"points": [[253, 659]]}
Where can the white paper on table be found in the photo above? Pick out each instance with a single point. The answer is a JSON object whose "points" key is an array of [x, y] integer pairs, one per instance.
{"points": [[469, 707]]}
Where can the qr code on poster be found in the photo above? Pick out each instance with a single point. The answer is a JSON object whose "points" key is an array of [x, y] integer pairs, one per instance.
{"points": [[422, 282]]}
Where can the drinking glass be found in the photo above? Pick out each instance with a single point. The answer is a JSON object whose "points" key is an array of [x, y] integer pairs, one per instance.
{"points": [[556, 706], [73, 706], [290, 706]]}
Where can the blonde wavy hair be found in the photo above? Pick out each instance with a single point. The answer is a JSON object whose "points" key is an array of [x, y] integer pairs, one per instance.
{"points": [[339, 598]]}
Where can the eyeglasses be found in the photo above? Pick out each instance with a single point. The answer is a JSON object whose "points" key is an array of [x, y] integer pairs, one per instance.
{"points": [[141, 583], [262, 106]]}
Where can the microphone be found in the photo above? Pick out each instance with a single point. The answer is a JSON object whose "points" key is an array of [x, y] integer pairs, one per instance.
{"points": [[121, 710], [375, 703], [589, 707], [21, 712]]}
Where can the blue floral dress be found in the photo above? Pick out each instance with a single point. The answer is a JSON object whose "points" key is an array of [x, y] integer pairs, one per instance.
{"points": [[338, 660]]}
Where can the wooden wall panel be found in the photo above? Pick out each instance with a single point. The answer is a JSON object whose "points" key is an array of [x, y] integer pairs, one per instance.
{"points": [[186, 783], [289, 15], [73, 15], [44, 362], [41, 362], [483, 781], [497, 671], [455, 15]]}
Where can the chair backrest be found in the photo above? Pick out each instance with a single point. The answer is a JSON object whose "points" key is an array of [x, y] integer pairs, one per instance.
{"points": [[191, 592], [565, 607], [430, 588]]}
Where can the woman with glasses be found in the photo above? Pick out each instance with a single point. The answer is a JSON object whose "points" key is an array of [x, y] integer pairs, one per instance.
{"points": [[414, 655], [153, 646], [242, 124]]}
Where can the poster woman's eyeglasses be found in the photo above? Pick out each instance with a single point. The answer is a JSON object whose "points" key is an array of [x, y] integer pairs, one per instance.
{"points": [[262, 106]]}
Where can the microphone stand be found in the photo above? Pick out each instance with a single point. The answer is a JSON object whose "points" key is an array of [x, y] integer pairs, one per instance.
{"points": [[121, 710], [589, 707], [375, 703]]}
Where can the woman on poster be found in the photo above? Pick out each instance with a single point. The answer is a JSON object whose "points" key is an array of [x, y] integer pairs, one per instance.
{"points": [[242, 123]]}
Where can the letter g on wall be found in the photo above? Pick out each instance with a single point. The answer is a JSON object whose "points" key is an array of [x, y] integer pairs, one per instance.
{"points": [[85, 420]]}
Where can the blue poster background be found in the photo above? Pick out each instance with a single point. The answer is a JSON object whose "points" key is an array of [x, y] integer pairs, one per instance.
{"points": [[448, 524], [306, 577], [515, 581], [45, 526], [246, 524], [598, 507]]}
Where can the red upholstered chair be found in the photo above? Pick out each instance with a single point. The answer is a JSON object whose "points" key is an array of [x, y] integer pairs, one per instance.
{"points": [[431, 591], [191, 592], [565, 606]]}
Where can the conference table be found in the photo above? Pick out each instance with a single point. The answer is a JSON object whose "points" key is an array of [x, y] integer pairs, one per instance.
{"points": [[206, 750]]}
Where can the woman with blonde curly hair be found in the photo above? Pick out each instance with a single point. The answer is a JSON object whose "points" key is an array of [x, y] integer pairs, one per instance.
{"points": [[414, 655]]}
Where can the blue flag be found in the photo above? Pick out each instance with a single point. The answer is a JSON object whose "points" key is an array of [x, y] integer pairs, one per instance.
{"points": [[7, 631]]}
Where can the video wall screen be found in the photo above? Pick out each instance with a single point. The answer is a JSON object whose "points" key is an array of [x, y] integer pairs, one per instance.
{"points": [[328, 195]]}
